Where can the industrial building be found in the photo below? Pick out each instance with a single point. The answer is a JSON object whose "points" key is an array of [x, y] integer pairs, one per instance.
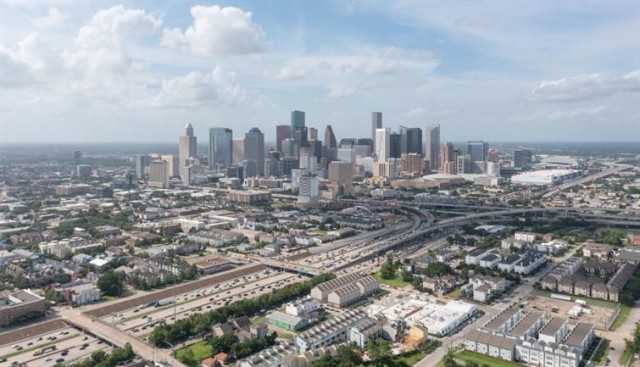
{"points": [[545, 177]]}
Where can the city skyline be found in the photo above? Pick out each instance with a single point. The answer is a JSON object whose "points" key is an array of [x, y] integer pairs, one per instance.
{"points": [[86, 72]]}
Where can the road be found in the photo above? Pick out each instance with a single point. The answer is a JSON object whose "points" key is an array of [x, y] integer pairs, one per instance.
{"points": [[116, 336]]}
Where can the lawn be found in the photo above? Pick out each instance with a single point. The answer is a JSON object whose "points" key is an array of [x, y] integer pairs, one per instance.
{"points": [[259, 320], [396, 282], [590, 301], [621, 318], [481, 359], [626, 356], [201, 350], [601, 353], [412, 358], [456, 293]]}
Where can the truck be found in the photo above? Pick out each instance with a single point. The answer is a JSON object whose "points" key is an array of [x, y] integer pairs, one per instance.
{"points": [[162, 302]]}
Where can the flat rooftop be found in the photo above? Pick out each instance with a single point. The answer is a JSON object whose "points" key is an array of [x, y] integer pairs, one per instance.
{"points": [[552, 327], [579, 333], [526, 323], [501, 318]]}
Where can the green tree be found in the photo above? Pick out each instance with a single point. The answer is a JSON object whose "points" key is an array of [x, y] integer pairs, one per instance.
{"points": [[388, 270], [379, 352], [110, 283]]}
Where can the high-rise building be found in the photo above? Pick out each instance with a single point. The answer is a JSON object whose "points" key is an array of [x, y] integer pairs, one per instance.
{"points": [[383, 144], [254, 150], [330, 144], [463, 164], [446, 156], [376, 123], [83, 170], [220, 148], [272, 164], [186, 150], [432, 145], [237, 151], [478, 150], [297, 120], [412, 163], [142, 164], [173, 169], [290, 148], [308, 189], [282, 132], [493, 156], [522, 158], [347, 155], [395, 145], [411, 140], [341, 173], [158, 174], [312, 133]]}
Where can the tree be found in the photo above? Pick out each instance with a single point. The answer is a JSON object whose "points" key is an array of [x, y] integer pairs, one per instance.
{"points": [[407, 276], [448, 360], [388, 270], [379, 352], [110, 283]]}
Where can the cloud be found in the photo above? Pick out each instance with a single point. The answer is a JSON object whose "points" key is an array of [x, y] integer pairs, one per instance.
{"points": [[415, 112], [337, 92], [217, 31], [286, 73], [563, 114], [376, 61], [197, 89], [584, 87], [115, 26], [31, 62], [54, 18]]}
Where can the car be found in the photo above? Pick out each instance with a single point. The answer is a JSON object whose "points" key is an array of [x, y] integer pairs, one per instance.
{"points": [[48, 359], [85, 338], [612, 348], [136, 310], [59, 360], [40, 339], [64, 353], [29, 344]]}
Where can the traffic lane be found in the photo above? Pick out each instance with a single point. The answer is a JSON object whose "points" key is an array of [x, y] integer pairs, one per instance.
{"points": [[235, 295], [38, 341], [131, 312], [200, 302], [60, 345]]}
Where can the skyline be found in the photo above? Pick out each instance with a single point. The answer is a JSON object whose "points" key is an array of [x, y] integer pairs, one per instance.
{"points": [[86, 72]]}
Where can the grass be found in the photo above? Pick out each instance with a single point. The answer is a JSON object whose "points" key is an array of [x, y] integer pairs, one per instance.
{"points": [[481, 359], [621, 318], [201, 350], [590, 301], [456, 293], [284, 335], [259, 320], [601, 353], [626, 356], [396, 282], [411, 358]]}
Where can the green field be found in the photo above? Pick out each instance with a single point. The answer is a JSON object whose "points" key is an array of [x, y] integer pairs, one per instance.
{"points": [[590, 301], [456, 293], [396, 282], [621, 318], [625, 358], [201, 350], [481, 359]]}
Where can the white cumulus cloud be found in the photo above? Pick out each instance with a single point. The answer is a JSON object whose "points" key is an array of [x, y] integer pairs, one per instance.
{"points": [[583, 87], [54, 18], [286, 73], [217, 31]]}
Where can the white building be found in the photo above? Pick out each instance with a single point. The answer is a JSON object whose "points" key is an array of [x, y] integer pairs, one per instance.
{"points": [[545, 177], [302, 307], [334, 331], [383, 144], [84, 294], [308, 190]]}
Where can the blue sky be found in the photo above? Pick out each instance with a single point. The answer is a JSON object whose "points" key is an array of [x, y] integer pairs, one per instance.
{"points": [[138, 71]]}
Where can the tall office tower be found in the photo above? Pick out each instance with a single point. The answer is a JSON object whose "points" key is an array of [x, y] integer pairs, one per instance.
{"points": [[395, 145], [366, 141], [522, 158], [187, 149], [83, 170], [308, 162], [362, 150], [300, 136], [493, 156], [158, 174], [142, 162], [173, 169], [383, 144], [446, 156], [249, 168], [237, 155], [297, 120], [411, 140], [463, 164], [282, 132], [316, 148], [347, 142], [432, 145], [220, 148], [272, 164], [376, 123], [341, 173], [412, 163], [254, 150], [330, 144], [290, 148], [478, 150], [312, 133], [347, 155], [308, 189], [289, 164]]}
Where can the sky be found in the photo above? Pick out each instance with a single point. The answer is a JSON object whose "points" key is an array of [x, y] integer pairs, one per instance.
{"points": [[139, 71]]}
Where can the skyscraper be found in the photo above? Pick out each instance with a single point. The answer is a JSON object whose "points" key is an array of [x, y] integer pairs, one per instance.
{"points": [[254, 150], [330, 144], [411, 140], [376, 123], [220, 148], [158, 174], [237, 155], [432, 145], [312, 133], [478, 151], [282, 132], [522, 158], [297, 120], [383, 144], [446, 158], [142, 162], [172, 164], [395, 145], [186, 149]]}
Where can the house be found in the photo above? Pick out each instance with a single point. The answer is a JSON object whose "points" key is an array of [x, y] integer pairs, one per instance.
{"points": [[599, 250], [473, 257], [554, 331], [287, 321], [509, 262], [364, 330], [531, 261], [303, 307], [490, 260]]}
